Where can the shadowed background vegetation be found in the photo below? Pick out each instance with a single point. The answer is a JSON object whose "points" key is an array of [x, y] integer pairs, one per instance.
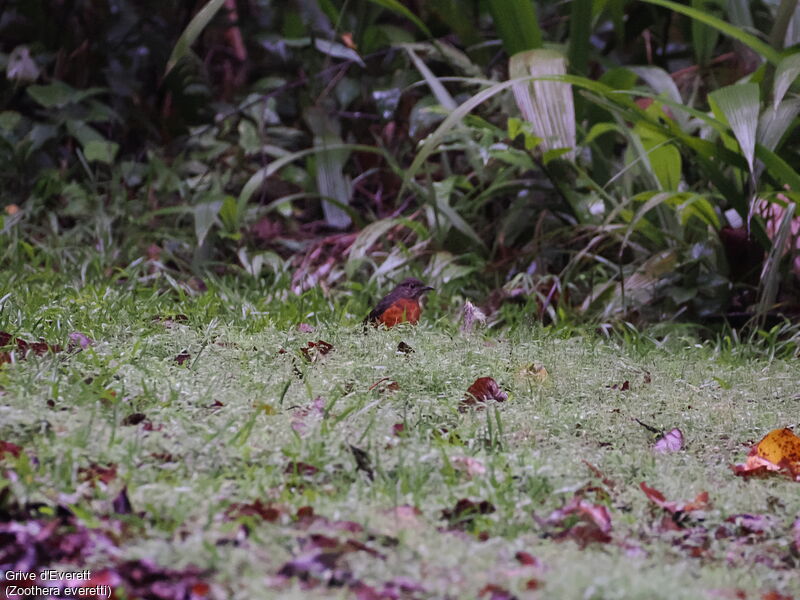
{"points": [[633, 160]]}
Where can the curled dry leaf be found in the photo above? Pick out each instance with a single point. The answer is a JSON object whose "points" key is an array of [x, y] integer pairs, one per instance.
{"points": [[314, 350], [383, 385], [482, 390], [593, 522], [403, 348], [258, 508], [182, 357], [699, 503], [672, 441], [465, 511], [777, 452]]}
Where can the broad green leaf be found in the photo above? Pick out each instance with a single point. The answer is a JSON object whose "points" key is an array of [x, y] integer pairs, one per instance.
{"points": [[101, 151], [704, 38], [399, 8], [580, 31], [785, 75], [739, 105], [548, 105], [9, 119], [58, 94], [192, 32], [516, 22], [765, 50]]}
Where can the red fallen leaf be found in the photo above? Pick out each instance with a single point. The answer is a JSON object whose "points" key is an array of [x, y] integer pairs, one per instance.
{"points": [[465, 511], [671, 442], [215, 404], [305, 328], [593, 525], [495, 592], [148, 426], [163, 456], [316, 349], [300, 468], [748, 524], [95, 472], [266, 512], [777, 452], [481, 391], [699, 503], [774, 595], [9, 448], [533, 584], [399, 430], [23, 347], [182, 357], [315, 409], [527, 559]]}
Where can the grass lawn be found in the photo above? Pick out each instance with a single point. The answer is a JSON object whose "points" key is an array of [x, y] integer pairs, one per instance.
{"points": [[194, 445]]}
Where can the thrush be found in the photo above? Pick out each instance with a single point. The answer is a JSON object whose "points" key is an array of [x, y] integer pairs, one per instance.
{"points": [[401, 305]]}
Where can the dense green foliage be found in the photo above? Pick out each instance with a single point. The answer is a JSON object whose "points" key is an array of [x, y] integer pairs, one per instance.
{"points": [[309, 143]]}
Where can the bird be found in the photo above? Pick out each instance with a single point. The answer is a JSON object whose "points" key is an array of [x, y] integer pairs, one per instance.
{"points": [[401, 305]]}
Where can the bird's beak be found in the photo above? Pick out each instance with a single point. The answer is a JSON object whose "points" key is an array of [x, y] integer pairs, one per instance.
{"points": [[428, 288]]}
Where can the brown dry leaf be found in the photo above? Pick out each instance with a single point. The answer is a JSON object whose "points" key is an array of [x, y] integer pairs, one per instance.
{"points": [[182, 357], [472, 467], [778, 451], [672, 441], [593, 524], [622, 387], [314, 350], [481, 391], [383, 385], [699, 503]]}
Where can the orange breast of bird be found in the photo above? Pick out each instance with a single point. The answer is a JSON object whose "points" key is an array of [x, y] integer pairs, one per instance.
{"points": [[403, 310]]}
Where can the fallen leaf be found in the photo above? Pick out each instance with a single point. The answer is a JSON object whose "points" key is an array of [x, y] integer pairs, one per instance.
{"points": [[778, 451], [672, 441], [313, 350], [258, 508], [79, 340], [9, 448], [466, 464], [182, 357], [527, 559], [593, 522], [133, 419], [481, 391], [495, 592], [465, 511], [383, 385], [95, 472], [122, 504], [404, 348], [363, 462], [699, 503], [305, 328]]}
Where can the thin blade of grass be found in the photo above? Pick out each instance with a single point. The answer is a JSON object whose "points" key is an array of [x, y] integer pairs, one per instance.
{"points": [[192, 32]]}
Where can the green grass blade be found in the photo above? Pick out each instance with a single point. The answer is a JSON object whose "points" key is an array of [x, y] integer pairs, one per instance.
{"points": [[517, 24], [192, 32], [752, 42]]}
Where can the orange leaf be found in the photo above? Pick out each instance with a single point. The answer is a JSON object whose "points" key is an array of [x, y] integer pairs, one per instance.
{"points": [[778, 451]]}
